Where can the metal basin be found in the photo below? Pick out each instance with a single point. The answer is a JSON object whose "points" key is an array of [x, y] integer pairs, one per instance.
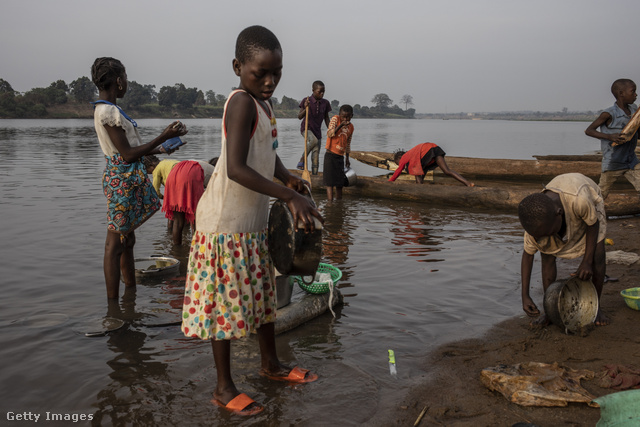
{"points": [[571, 304], [154, 266]]}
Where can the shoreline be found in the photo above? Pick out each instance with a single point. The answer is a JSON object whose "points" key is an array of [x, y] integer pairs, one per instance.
{"points": [[452, 392]]}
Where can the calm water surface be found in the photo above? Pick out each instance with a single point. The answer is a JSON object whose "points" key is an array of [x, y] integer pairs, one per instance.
{"points": [[414, 277]]}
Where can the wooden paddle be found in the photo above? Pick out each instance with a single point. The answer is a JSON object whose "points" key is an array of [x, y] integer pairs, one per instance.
{"points": [[305, 173]]}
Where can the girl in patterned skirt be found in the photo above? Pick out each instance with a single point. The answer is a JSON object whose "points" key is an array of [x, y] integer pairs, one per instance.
{"points": [[131, 198], [230, 287]]}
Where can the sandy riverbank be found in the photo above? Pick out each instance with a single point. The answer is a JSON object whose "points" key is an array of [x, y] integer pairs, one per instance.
{"points": [[452, 390]]}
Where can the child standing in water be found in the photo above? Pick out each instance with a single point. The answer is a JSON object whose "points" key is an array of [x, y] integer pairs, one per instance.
{"points": [[338, 148], [230, 286], [319, 109], [131, 198]]}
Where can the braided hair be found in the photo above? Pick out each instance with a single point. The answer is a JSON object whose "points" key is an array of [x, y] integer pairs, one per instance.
{"points": [[105, 71], [255, 38], [535, 211]]}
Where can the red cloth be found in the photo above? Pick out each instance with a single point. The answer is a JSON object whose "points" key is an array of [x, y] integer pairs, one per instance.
{"points": [[413, 157], [620, 377], [183, 189]]}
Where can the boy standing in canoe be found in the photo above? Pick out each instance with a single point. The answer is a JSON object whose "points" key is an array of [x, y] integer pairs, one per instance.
{"points": [[566, 220], [618, 157]]}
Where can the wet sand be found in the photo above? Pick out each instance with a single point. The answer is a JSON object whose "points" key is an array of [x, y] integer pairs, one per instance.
{"points": [[454, 395]]}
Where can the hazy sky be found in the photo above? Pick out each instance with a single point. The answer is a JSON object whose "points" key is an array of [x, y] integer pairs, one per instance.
{"points": [[451, 56]]}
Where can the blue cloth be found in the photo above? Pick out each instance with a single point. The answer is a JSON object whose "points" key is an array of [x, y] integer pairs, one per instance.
{"points": [[623, 156]]}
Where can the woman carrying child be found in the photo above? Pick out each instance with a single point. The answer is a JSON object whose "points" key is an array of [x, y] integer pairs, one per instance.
{"points": [[230, 286], [131, 198]]}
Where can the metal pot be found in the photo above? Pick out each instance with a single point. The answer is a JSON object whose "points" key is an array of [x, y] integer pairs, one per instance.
{"points": [[350, 177], [293, 251], [571, 304]]}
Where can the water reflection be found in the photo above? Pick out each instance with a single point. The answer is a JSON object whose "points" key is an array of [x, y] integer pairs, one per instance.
{"points": [[415, 236]]}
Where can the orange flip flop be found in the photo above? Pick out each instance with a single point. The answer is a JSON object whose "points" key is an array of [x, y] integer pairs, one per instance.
{"points": [[297, 376], [238, 404]]}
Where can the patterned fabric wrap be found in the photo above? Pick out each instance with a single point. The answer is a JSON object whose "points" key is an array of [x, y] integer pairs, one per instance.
{"points": [[131, 197], [230, 288]]}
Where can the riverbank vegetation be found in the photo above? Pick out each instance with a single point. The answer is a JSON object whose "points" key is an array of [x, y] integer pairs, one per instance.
{"points": [[73, 100]]}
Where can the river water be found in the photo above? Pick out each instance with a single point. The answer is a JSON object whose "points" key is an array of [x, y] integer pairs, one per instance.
{"points": [[414, 277]]}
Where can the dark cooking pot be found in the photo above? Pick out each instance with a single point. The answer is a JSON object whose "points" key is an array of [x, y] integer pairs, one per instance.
{"points": [[350, 177], [293, 251]]}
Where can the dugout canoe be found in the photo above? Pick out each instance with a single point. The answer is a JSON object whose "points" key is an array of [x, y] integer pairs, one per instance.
{"points": [[494, 169], [487, 195]]}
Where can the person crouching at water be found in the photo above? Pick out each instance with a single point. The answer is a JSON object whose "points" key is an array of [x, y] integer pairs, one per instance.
{"points": [[183, 186], [338, 147], [423, 158], [130, 195], [566, 220]]}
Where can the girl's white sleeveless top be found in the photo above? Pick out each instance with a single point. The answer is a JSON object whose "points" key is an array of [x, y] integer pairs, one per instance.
{"points": [[228, 207]]}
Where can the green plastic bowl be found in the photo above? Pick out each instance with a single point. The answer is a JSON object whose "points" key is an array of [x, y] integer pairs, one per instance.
{"points": [[632, 297], [320, 287]]}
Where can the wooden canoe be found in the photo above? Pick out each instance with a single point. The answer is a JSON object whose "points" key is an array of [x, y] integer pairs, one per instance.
{"points": [[446, 192], [498, 169]]}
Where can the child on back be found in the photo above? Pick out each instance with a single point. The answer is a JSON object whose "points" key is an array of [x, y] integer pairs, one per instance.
{"points": [[131, 198], [566, 220], [230, 287], [318, 112], [618, 157], [338, 147]]}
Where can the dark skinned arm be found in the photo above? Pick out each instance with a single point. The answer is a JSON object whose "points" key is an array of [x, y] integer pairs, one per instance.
{"points": [[526, 266], [131, 154], [585, 269], [593, 131], [242, 108]]}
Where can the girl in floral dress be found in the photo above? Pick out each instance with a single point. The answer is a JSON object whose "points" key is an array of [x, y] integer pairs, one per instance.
{"points": [[131, 197], [230, 287]]}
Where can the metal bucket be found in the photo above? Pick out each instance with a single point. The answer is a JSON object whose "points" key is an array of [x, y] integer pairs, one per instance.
{"points": [[350, 177], [292, 250], [571, 304]]}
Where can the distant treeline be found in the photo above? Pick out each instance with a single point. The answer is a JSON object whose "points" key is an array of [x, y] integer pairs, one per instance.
{"points": [[62, 100], [564, 115]]}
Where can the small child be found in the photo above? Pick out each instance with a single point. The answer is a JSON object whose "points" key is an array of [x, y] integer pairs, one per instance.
{"points": [[318, 112], [230, 291], [618, 157], [566, 220], [184, 183], [131, 198], [339, 133], [421, 159]]}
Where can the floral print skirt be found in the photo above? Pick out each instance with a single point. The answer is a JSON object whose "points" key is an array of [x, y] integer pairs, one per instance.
{"points": [[230, 288], [130, 196]]}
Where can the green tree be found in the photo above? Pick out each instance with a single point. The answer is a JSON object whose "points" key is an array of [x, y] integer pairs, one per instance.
{"points": [[335, 104], [288, 103], [61, 85], [138, 95], [5, 87], [185, 97], [382, 100], [83, 89], [406, 100], [210, 97], [200, 98], [167, 96], [220, 100]]}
